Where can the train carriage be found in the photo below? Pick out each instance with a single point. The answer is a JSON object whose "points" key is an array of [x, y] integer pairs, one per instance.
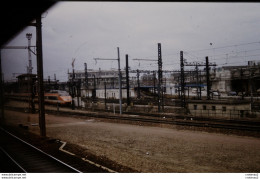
{"points": [[57, 96], [51, 97]]}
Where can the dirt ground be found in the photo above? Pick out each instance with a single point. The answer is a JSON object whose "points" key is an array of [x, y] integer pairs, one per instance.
{"points": [[148, 148]]}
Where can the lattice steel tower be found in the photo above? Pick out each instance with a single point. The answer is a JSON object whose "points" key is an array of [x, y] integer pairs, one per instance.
{"points": [[29, 68], [160, 90]]}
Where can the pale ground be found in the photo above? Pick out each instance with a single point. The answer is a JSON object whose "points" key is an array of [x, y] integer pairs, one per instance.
{"points": [[152, 149]]}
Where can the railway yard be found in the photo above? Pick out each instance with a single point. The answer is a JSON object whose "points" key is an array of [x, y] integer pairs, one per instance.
{"points": [[183, 96], [112, 144]]}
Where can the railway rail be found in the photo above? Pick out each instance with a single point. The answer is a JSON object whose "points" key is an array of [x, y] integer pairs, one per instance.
{"points": [[18, 156], [190, 122], [243, 125]]}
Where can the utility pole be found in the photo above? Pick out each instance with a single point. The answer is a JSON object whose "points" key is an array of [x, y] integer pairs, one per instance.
{"points": [[154, 84], [72, 87], [95, 86], [197, 81], [159, 90], [200, 86], [78, 90], [119, 78], [251, 86], [160, 98], [208, 82], [40, 76], [183, 102], [127, 80], [179, 82], [120, 85], [86, 76], [138, 85], [105, 84]]}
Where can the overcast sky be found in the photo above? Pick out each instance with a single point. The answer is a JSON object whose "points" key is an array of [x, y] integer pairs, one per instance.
{"points": [[226, 32]]}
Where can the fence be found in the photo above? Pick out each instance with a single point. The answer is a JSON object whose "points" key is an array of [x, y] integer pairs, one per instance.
{"points": [[227, 114]]}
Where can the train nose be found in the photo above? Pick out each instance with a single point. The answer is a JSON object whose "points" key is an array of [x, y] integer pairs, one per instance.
{"points": [[66, 98]]}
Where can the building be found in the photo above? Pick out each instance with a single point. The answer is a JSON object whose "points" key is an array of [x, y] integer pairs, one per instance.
{"points": [[243, 80], [232, 109], [26, 83], [221, 80], [94, 83], [97, 78]]}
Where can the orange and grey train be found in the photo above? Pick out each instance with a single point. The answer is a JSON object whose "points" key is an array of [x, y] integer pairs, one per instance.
{"points": [[57, 96], [51, 97]]}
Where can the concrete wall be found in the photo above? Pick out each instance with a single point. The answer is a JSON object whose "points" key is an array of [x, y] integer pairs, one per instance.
{"points": [[224, 110], [222, 81]]}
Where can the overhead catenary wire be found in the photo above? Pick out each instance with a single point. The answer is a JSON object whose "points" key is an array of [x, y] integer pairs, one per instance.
{"points": [[227, 57], [192, 55], [214, 48], [227, 46], [222, 54]]}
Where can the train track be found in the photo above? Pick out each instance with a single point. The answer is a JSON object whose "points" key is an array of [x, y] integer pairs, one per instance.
{"points": [[18, 156], [242, 125], [188, 122]]}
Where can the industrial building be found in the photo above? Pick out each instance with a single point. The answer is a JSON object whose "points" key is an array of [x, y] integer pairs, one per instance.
{"points": [[231, 109], [244, 80], [94, 83]]}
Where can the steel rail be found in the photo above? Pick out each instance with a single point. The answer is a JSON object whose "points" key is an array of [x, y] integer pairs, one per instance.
{"points": [[40, 151], [218, 123], [13, 160]]}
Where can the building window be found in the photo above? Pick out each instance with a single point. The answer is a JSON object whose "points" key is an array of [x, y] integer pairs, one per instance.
{"points": [[204, 107], [195, 107], [213, 108], [224, 108]]}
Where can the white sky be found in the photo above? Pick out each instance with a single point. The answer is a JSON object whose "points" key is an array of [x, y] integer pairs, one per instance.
{"points": [[87, 30]]}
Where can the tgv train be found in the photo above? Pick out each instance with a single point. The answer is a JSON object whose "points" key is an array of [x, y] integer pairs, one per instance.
{"points": [[51, 97], [57, 96]]}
